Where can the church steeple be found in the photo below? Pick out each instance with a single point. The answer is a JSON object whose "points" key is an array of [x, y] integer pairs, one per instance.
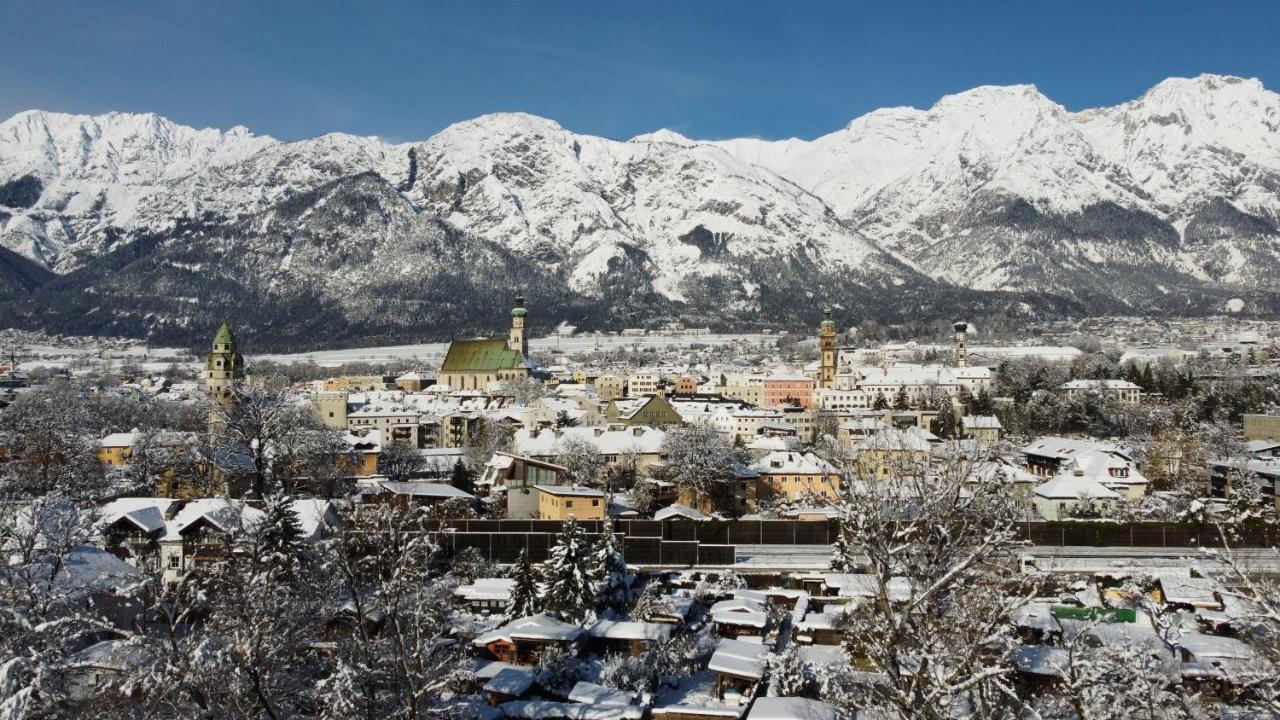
{"points": [[827, 344], [516, 339], [225, 366]]}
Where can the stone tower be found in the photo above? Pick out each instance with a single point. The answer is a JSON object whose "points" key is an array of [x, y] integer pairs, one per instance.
{"points": [[224, 367], [962, 336], [827, 344], [516, 339]]}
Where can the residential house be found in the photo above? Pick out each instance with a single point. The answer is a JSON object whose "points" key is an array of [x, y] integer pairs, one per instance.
{"points": [[793, 475], [522, 641], [984, 428], [486, 595], [561, 502], [1121, 390], [627, 638]]}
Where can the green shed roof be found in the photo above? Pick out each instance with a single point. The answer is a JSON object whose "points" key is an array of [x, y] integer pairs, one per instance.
{"points": [[480, 356]]}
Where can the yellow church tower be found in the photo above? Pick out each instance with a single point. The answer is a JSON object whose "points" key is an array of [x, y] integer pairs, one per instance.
{"points": [[225, 366], [827, 344]]}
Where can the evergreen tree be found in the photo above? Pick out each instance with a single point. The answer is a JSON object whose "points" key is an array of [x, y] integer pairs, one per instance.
{"points": [[462, 478], [900, 400], [944, 426], [610, 570], [524, 595], [982, 404], [880, 403], [841, 552], [280, 534], [570, 592]]}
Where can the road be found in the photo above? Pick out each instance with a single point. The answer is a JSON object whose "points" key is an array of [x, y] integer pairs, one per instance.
{"points": [[1073, 559]]}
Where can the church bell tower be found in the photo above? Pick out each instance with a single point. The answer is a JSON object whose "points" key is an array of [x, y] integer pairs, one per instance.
{"points": [[827, 344], [516, 339], [224, 367]]}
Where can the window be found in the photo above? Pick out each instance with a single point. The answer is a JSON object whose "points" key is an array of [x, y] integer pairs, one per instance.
{"points": [[595, 503], [174, 561], [568, 503]]}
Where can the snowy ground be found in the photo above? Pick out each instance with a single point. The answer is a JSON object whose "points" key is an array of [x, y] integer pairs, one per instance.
{"points": [[758, 558], [433, 353]]}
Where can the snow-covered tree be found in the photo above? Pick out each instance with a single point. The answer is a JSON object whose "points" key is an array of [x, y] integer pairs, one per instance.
{"points": [[1121, 679], [525, 599], [567, 574], [610, 570], [488, 436], [842, 552], [788, 674], [653, 600], [279, 536], [583, 461], [933, 539], [525, 390], [399, 461], [700, 460], [276, 433]]}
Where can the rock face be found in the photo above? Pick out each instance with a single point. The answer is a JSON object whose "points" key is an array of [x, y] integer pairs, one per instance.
{"points": [[996, 200]]}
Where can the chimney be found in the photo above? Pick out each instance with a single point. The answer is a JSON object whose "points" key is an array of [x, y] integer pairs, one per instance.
{"points": [[598, 432], [637, 431]]}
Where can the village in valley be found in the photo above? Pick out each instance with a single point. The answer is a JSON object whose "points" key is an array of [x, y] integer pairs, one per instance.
{"points": [[825, 524]]}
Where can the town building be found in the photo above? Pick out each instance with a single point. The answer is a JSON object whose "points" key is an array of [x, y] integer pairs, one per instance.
{"points": [[827, 349], [224, 367], [478, 364], [1121, 390], [561, 502], [793, 475]]}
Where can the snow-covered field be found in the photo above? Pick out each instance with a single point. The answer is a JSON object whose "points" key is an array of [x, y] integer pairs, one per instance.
{"points": [[433, 353]]}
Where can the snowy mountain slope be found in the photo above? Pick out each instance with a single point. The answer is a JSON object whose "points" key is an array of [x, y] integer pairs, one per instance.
{"points": [[924, 182], [89, 172], [1160, 204], [578, 203]]}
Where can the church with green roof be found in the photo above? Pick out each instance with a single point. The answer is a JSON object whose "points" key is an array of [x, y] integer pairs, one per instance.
{"points": [[476, 364]]}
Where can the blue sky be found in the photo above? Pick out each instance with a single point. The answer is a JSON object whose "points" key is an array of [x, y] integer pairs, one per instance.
{"points": [[403, 70]]}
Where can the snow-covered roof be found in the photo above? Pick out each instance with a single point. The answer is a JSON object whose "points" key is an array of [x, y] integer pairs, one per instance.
{"points": [[1068, 486], [221, 513], [1043, 660], [639, 439], [774, 443], [593, 694], [1204, 647], [1184, 589], [570, 490], [678, 510], [424, 489], [550, 710], [740, 611], [793, 463], [623, 630], [147, 514], [980, 422], [861, 585], [118, 655], [1099, 385], [533, 627], [791, 708], [510, 681], [487, 589], [738, 658]]}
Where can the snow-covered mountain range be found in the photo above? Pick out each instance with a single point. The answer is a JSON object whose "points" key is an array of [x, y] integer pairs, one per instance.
{"points": [[997, 197]]}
